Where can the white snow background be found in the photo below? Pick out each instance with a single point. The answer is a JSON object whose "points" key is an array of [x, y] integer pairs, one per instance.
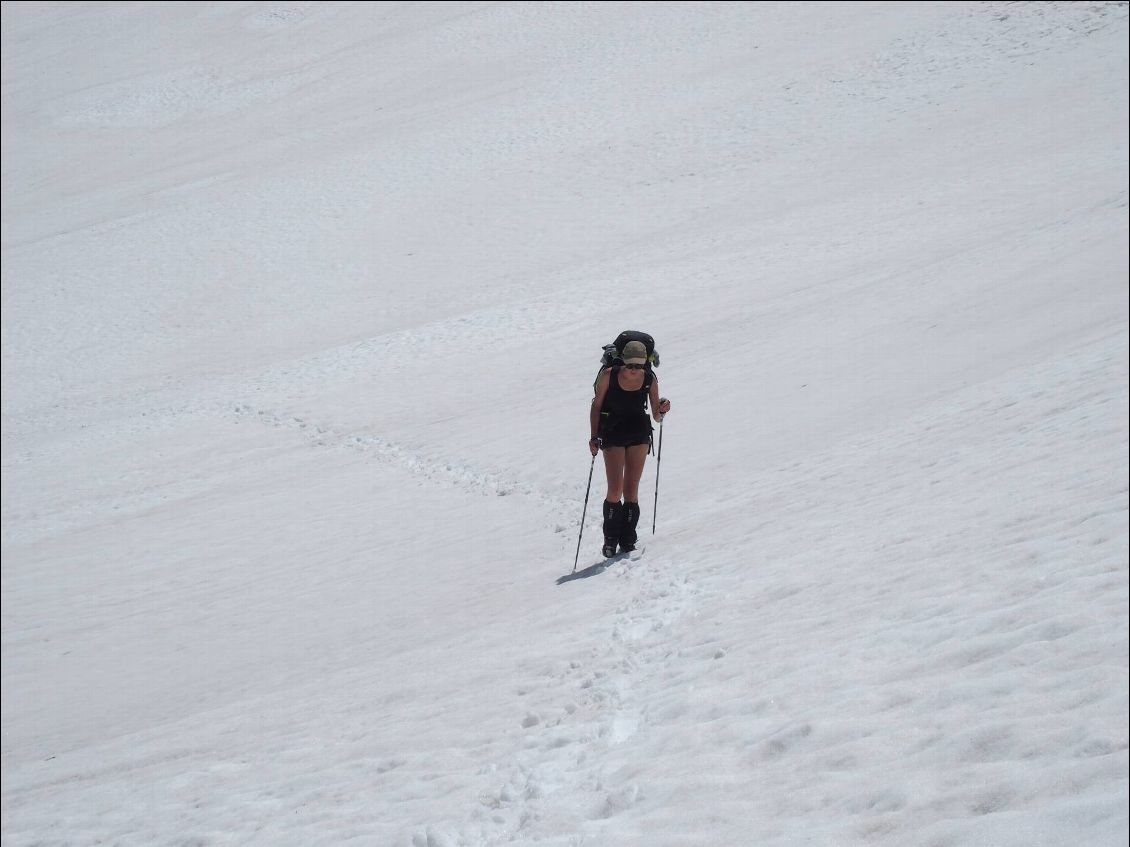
{"points": [[302, 305]]}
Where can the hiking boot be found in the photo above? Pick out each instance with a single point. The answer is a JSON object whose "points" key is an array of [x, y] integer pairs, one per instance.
{"points": [[613, 526], [628, 535]]}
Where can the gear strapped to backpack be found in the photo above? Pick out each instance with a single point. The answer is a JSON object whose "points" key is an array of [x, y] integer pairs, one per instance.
{"points": [[613, 353]]}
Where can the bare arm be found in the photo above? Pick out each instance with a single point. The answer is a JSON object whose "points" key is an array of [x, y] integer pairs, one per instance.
{"points": [[659, 405], [598, 401]]}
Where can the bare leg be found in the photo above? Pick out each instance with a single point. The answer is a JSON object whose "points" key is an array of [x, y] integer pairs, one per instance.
{"points": [[614, 470], [634, 459]]}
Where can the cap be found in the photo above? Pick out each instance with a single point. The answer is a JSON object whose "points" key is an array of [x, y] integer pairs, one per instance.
{"points": [[634, 353]]}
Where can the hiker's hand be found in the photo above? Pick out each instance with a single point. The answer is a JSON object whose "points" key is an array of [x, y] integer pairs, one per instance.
{"points": [[594, 446], [664, 406]]}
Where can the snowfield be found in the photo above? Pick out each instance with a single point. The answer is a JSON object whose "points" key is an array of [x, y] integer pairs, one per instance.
{"points": [[302, 305]]}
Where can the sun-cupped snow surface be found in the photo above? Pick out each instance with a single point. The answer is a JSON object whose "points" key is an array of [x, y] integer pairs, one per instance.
{"points": [[302, 305]]}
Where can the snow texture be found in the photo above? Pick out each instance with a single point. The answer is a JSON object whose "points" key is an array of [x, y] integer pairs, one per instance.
{"points": [[302, 304]]}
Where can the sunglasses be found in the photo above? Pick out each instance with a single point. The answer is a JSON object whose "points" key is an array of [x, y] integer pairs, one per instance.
{"points": [[635, 367]]}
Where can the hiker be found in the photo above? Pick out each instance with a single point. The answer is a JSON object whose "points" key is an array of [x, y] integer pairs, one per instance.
{"points": [[619, 427]]}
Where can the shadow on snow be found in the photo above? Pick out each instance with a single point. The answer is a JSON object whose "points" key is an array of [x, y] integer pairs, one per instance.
{"points": [[592, 570]]}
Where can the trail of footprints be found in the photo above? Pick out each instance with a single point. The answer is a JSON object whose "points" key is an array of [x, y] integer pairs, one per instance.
{"points": [[442, 472], [566, 750]]}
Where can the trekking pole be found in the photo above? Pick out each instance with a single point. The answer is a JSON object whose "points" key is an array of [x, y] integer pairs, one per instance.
{"points": [[658, 459], [577, 558]]}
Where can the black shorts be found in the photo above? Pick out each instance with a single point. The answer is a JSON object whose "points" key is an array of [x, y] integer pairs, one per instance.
{"points": [[626, 433]]}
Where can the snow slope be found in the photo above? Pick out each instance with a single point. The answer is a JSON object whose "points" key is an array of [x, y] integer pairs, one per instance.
{"points": [[302, 304]]}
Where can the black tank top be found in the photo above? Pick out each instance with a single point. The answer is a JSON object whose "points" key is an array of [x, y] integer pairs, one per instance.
{"points": [[622, 405]]}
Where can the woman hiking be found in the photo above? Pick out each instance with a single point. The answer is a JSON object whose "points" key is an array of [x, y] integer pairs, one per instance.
{"points": [[619, 426]]}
